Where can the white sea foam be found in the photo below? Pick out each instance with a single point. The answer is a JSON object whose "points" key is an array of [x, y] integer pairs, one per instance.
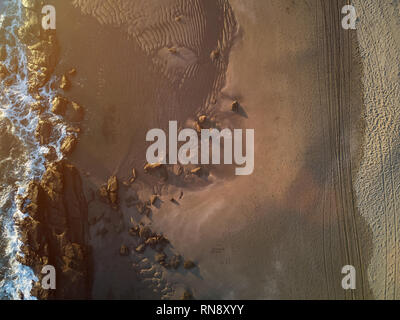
{"points": [[15, 102]]}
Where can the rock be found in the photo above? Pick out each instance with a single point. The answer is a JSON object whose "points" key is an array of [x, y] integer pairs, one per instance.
{"points": [[30, 203], [73, 130], [235, 106], [4, 73], [197, 127], [134, 231], [65, 83], [188, 264], [132, 180], [177, 169], [141, 248], [151, 166], [31, 4], [152, 242], [3, 53], [160, 257], [42, 55], [29, 31], [68, 145], [112, 189], [215, 54], [196, 171], [37, 106], [157, 169], [124, 251], [55, 232], [75, 112], [103, 192], [153, 199], [51, 155], [112, 185], [59, 105], [145, 232], [72, 72], [175, 261], [113, 197], [202, 119], [43, 131]]}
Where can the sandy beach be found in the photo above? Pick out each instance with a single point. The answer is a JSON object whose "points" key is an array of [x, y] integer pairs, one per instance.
{"points": [[323, 104]]}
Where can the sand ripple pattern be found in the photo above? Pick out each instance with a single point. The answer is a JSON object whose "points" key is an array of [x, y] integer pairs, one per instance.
{"points": [[194, 27]]}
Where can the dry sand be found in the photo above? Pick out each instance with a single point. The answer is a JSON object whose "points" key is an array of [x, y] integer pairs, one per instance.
{"points": [[377, 181], [287, 230]]}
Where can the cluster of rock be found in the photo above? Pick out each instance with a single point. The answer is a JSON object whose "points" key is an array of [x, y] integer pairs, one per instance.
{"points": [[157, 242], [109, 192], [42, 59], [55, 232]]}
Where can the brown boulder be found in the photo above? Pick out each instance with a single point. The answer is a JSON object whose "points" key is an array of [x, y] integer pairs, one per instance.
{"points": [[112, 188], [153, 199], [188, 264], [235, 106], [112, 185], [3, 53], [68, 144], [55, 232], [141, 248], [59, 105], [65, 84], [51, 155], [160, 257], [145, 232], [175, 261], [44, 131], [151, 166]]}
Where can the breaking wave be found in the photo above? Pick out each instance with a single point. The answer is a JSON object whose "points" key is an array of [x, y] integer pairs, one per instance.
{"points": [[22, 158]]}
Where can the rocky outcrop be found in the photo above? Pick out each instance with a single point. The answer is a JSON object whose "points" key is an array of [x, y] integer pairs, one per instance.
{"points": [[112, 189], [3, 72], [42, 60], [3, 53], [43, 131], [55, 232], [59, 105], [65, 83], [43, 50], [68, 145]]}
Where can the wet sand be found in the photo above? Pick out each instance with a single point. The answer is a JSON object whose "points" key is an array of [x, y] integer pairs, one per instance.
{"points": [[285, 231]]}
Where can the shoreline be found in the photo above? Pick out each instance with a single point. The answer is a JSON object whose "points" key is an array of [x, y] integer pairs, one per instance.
{"points": [[42, 238]]}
